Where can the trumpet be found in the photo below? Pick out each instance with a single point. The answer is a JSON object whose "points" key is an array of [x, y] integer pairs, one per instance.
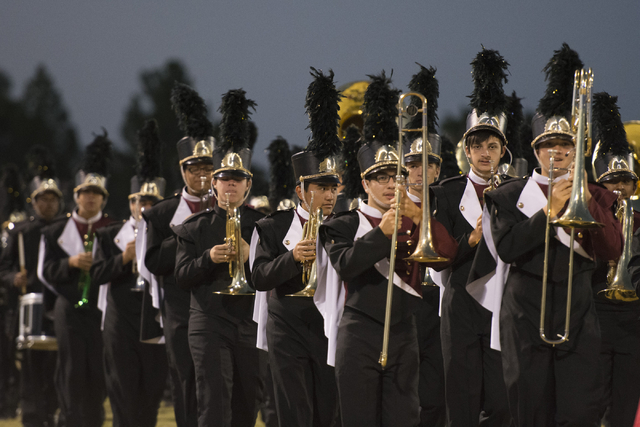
{"points": [[425, 251], [577, 214], [139, 286], [310, 232], [84, 283], [205, 196], [239, 284], [619, 286]]}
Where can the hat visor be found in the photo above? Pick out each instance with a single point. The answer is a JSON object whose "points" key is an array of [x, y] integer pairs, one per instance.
{"points": [[547, 136], [614, 175], [232, 173], [195, 160]]}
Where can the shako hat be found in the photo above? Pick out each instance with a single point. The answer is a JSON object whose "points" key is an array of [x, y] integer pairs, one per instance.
{"points": [[147, 182], [612, 156], [94, 172], [318, 162], [233, 155], [552, 120], [488, 101], [197, 145], [425, 83], [40, 165], [380, 127]]}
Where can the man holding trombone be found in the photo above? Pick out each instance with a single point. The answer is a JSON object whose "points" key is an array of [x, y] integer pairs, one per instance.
{"points": [[551, 381]]}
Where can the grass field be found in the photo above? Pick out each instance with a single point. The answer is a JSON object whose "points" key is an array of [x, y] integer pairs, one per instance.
{"points": [[165, 418]]}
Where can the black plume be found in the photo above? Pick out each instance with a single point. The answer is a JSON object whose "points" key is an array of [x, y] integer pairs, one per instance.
{"points": [[449, 162], [489, 72], [608, 127], [149, 152], [12, 184], [351, 176], [381, 110], [322, 107], [40, 162], [234, 126], [191, 112], [425, 83], [253, 134], [515, 119], [282, 182], [559, 74], [98, 155]]}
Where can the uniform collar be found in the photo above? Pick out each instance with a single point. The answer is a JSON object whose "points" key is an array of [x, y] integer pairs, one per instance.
{"points": [[371, 211], [474, 177], [188, 197], [540, 179], [302, 212], [80, 220]]}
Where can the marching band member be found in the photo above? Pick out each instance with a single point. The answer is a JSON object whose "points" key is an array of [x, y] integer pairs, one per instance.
{"points": [[358, 246], [549, 384], [66, 257], [431, 384], [196, 165], [222, 334], [618, 312], [135, 372], [38, 400], [474, 386], [304, 384]]}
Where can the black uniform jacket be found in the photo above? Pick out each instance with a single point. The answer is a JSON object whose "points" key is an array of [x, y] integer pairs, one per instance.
{"points": [[56, 264], [31, 230], [107, 267], [519, 240], [196, 271], [161, 243], [355, 262], [275, 268]]}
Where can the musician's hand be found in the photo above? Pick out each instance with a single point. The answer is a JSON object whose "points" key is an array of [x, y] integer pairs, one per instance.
{"points": [[559, 195], [408, 208], [82, 261], [245, 250], [305, 250], [476, 234], [129, 253], [20, 280], [387, 223], [222, 253]]}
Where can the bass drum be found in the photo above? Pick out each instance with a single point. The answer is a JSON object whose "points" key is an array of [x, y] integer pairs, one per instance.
{"points": [[31, 334]]}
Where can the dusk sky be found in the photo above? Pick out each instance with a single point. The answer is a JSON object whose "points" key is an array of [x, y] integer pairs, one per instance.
{"points": [[96, 50]]}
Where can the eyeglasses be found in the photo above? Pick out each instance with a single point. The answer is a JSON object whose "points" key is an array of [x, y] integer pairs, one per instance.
{"points": [[195, 170], [383, 179]]}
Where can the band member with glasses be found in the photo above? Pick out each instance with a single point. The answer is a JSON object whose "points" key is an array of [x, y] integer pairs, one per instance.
{"points": [[196, 165]]}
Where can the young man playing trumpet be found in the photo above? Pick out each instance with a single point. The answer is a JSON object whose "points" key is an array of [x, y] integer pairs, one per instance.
{"points": [[222, 334], [282, 261]]}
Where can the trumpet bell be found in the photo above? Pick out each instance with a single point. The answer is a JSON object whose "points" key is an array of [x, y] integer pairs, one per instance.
{"points": [[620, 294], [577, 216], [239, 286], [310, 289]]}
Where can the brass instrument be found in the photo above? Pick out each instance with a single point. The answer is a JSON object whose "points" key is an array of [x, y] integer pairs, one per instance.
{"points": [[310, 232], [84, 283], [139, 286], [239, 284], [205, 196], [577, 214], [424, 251], [619, 286], [350, 111]]}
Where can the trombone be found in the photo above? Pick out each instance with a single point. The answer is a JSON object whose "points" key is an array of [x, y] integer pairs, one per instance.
{"points": [[577, 214], [425, 251]]}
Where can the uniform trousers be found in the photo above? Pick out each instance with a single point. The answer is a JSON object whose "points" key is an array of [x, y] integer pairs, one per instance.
{"points": [[620, 366], [474, 382], [431, 384], [136, 375], [369, 395], [305, 386], [229, 370], [181, 370], [38, 399], [79, 377]]}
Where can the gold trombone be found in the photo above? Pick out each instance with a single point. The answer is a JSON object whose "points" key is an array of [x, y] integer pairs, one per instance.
{"points": [[577, 214], [239, 284], [425, 251]]}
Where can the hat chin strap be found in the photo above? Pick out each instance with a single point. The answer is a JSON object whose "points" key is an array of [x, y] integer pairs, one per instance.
{"points": [[370, 193]]}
